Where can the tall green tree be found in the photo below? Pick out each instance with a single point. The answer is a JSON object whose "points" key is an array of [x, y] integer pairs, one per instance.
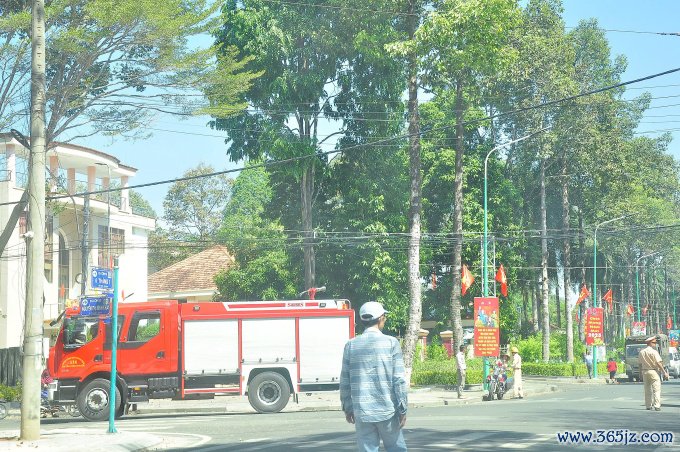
{"points": [[193, 207], [299, 51], [263, 269], [465, 44]]}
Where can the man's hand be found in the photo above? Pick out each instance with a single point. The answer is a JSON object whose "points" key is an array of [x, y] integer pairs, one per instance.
{"points": [[402, 420], [349, 417]]}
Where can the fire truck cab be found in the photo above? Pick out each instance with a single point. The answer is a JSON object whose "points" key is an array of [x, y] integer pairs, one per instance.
{"points": [[265, 350]]}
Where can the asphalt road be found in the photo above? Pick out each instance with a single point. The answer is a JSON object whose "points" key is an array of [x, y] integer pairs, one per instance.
{"points": [[531, 424]]}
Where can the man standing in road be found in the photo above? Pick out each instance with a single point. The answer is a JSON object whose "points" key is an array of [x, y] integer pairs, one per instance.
{"points": [[517, 389], [650, 363], [462, 368], [373, 389], [588, 359]]}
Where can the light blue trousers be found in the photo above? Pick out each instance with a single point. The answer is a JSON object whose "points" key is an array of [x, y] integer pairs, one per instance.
{"points": [[369, 435]]}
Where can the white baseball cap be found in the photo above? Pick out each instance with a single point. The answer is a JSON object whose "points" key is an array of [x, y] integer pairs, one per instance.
{"points": [[371, 310]]}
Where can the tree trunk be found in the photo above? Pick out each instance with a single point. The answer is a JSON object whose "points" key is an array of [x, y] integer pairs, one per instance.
{"points": [[457, 325], [534, 308], [545, 292], [566, 261], [414, 280], [307, 192], [582, 249], [558, 311]]}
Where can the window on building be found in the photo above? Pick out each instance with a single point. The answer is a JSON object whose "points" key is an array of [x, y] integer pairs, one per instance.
{"points": [[109, 249]]}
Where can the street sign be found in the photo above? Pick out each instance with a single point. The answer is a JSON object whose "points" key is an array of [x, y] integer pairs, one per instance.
{"points": [[102, 278], [95, 305]]}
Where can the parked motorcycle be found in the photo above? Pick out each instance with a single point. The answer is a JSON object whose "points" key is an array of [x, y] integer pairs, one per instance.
{"points": [[50, 409], [4, 409], [497, 382]]}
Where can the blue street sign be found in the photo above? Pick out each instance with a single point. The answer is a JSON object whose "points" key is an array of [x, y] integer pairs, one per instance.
{"points": [[102, 278], [95, 305]]}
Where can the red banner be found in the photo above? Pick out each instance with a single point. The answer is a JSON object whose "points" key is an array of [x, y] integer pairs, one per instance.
{"points": [[594, 326], [487, 328]]}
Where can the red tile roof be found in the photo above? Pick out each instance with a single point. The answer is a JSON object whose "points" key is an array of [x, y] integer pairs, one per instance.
{"points": [[196, 272]]}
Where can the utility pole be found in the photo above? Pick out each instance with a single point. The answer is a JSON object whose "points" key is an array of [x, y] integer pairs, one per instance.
{"points": [[35, 243]]}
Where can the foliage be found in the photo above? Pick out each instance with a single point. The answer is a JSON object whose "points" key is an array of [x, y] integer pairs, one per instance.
{"points": [[114, 64], [193, 207], [263, 269], [531, 347], [141, 206], [10, 393]]}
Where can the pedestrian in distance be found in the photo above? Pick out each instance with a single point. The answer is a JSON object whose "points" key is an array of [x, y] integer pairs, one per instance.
{"points": [[611, 368], [650, 367], [517, 388], [462, 370], [588, 359], [373, 389]]}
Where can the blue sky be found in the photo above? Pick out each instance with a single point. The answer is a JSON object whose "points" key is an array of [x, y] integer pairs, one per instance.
{"points": [[178, 145]]}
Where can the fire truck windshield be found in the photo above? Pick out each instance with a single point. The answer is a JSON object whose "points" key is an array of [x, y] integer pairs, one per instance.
{"points": [[79, 331]]}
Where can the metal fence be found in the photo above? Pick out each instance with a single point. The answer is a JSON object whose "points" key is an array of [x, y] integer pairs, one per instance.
{"points": [[10, 366]]}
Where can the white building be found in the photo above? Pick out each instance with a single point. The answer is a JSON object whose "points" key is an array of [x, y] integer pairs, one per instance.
{"points": [[71, 169]]}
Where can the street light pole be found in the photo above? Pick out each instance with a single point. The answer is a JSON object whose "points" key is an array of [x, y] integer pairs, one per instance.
{"points": [[595, 278], [485, 282], [485, 242]]}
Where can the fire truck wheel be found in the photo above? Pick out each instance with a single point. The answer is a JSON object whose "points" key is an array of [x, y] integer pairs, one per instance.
{"points": [[93, 400], [268, 392]]}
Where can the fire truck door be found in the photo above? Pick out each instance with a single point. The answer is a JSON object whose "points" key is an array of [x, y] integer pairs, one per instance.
{"points": [[143, 348]]}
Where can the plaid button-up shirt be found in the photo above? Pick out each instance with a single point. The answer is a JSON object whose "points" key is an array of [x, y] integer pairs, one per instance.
{"points": [[372, 384]]}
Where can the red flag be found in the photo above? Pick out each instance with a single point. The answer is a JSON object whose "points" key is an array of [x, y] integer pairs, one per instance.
{"points": [[466, 280], [501, 278], [669, 323], [312, 293], [644, 310], [630, 310], [584, 294], [434, 280], [608, 298]]}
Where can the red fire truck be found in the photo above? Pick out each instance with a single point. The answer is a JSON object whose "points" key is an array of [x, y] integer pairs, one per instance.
{"points": [[265, 350]]}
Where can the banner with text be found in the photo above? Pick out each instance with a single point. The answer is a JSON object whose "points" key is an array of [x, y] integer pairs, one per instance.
{"points": [[674, 338], [487, 328], [639, 328], [595, 326]]}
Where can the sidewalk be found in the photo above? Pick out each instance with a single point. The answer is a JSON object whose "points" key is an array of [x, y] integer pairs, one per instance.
{"points": [[98, 440]]}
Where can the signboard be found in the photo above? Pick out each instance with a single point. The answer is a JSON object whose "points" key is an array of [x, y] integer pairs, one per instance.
{"points": [[594, 326], [102, 278], [487, 328], [95, 305], [639, 328], [673, 338]]}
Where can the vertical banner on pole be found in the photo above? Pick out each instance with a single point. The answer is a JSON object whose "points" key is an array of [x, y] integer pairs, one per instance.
{"points": [[639, 328], [487, 328], [594, 326], [674, 338]]}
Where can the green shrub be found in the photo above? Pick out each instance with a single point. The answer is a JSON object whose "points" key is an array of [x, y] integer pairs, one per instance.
{"points": [[437, 352], [10, 393]]}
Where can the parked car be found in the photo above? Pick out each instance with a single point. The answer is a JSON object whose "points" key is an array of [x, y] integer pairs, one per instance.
{"points": [[674, 366]]}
